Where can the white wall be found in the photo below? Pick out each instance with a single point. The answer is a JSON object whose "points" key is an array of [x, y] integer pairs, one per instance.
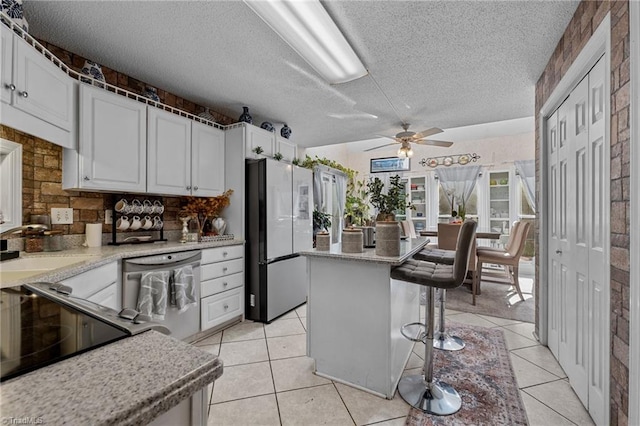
{"points": [[494, 152]]}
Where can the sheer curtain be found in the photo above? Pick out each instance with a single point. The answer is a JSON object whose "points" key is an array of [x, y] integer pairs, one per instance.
{"points": [[459, 181], [527, 172]]}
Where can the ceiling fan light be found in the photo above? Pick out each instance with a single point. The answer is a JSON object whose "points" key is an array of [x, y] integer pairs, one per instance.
{"points": [[401, 153], [309, 30], [410, 152]]}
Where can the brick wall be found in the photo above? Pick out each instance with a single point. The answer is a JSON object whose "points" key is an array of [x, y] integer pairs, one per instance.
{"points": [[586, 19], [42, 162]]}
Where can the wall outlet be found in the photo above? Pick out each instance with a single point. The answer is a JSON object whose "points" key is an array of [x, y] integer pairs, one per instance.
{"points": [[61, 216], [108, 218]]}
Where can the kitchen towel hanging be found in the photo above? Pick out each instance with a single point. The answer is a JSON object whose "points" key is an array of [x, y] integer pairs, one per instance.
{"points": [[152, 298], [183, 291], [93, 235]]}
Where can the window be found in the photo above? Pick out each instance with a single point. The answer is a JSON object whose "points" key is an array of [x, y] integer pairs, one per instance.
{"points": [[444, 204]]}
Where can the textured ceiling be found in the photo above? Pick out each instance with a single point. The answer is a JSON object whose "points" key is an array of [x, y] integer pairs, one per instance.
{"points": [[431, 63]]}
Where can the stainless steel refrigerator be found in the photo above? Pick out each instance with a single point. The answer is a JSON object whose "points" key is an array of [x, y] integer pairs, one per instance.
{"points": [[279, 225]]}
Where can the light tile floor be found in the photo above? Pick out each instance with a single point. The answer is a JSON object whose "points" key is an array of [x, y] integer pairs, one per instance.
{"points": [[267, 379]]}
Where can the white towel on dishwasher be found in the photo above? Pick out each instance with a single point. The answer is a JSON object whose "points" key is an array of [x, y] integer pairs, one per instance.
{"points": [[183, 289], [152, 298]]}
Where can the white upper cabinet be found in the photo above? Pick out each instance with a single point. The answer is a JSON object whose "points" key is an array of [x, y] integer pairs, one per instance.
{"points": [[169, 153], [185, 157], [207, 163], [257, 137], [37, 97], [286, 148], [112, 151]]}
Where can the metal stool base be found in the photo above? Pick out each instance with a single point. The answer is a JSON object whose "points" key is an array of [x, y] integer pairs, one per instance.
{"points": [[445, 342], [435, 398]]}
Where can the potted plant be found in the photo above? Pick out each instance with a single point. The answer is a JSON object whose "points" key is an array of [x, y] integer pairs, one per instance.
{"points": [[387, 228], [356, 210]]}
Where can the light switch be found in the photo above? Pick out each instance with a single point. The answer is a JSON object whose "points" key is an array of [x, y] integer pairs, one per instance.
{"points": [[108, 217], [61, 216]]}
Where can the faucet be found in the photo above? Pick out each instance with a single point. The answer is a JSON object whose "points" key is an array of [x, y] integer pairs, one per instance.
{"points": [[20, 229]]}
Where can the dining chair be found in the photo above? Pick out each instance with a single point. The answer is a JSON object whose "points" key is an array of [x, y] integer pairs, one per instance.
{"points": [[509, 258]]}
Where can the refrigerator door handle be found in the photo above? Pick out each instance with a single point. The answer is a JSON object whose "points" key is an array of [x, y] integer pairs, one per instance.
{"points": [[278, 259]]}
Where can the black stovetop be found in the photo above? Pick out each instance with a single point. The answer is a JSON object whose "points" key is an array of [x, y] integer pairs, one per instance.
{"points": [[36, 331]]}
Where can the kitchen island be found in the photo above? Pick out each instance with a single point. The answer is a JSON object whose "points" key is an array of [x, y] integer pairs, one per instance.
{"points": [[134, 381], [354, 314]]}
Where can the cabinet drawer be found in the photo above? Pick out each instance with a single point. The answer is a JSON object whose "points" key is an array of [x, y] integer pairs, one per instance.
{"points": [[221, 307], [219, 254], [91, 282], [220, 269], [218, 285]]}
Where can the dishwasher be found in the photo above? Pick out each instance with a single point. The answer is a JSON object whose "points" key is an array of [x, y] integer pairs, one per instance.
{"points": [[181, 324]]}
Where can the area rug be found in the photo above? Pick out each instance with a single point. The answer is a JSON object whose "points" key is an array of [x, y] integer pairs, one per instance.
{"points": [[483, 376], [497, 300]]}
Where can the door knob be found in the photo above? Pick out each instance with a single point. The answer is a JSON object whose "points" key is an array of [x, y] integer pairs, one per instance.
{"points": [[225, 284], [188, 188], [11, 87], [224, 269], [558, 251], [86, 178], [24, 94], [226, 306], [195, 188]]}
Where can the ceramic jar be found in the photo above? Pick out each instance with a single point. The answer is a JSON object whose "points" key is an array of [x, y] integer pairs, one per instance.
{"points": [[352, 241], [285, 132], [387, 238], [323, 242], [267, 126]]}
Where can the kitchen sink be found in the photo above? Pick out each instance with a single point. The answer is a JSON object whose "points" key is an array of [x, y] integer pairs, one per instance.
{"points": [[24, 267]]}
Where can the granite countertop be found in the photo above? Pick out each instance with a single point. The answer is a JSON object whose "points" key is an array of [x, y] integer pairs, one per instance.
{"points": [[97, 256], [407, 249], [128, 382]]}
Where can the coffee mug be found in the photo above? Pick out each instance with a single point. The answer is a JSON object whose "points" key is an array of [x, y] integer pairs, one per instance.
{"points": [[123, 223], [136, 207], [158, 207], [147, 207], [147, 223], [157, 223], [135, 223], [123, 206]]}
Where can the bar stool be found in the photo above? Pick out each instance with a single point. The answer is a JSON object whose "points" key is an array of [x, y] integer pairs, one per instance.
{"points": [[442, 340], [422, 391]]}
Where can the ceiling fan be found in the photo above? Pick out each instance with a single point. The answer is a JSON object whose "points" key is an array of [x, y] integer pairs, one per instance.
{"points": [[406, 137]]}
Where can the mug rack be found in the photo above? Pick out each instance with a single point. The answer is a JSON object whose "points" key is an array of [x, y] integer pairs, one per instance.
{"points": [[130, 206]]}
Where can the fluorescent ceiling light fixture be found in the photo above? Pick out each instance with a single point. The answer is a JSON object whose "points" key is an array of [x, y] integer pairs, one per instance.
{"points": [[307, 27]]}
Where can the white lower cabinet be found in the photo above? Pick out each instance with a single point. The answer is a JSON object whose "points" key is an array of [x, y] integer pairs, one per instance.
{"points": [[109, 297], [222, 285]]}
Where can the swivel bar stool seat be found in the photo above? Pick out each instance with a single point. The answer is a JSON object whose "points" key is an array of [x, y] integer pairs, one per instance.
{"points": [[422, 391], [442, 340]]}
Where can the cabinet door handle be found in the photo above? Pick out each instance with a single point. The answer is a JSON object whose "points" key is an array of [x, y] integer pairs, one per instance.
{"points": [[188, 188], [224, 269], [226, 306], [11, 87], [225, 284], [558, 251], [195, 188], [86, 178], [224, 254], [24, 94]]}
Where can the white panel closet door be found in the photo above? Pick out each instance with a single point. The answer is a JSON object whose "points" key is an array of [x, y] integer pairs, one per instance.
{"points": [[597, 229], [578, 307]]}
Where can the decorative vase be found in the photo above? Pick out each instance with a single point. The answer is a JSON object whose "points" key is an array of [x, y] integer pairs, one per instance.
{"points": [[94, 70], [387, 238], [267, 126], [219, 225], [185, 229], [246, 117], [285, 132], [352, 241], [151, 93], [15, 11], [323, 241]]}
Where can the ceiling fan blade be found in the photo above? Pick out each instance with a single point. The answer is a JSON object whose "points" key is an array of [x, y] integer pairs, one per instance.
{"points": [[381, 146], [387, 137], [428, 132], [434, 143]]}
